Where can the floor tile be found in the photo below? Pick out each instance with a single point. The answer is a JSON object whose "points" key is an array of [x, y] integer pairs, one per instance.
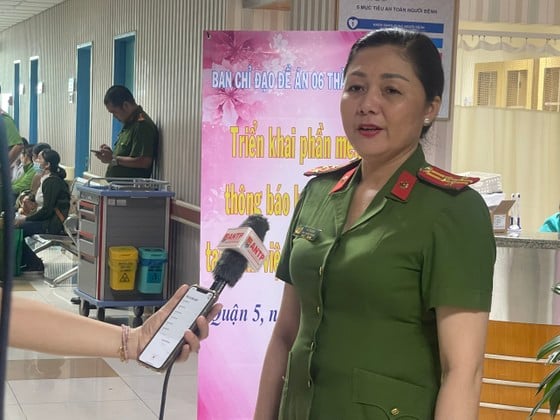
{"points": [[58, 369], [108, 410], [14, 412], [63, 390]]}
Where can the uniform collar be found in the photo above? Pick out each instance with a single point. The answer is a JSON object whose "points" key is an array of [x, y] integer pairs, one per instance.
{"points": [[400, 184], [135, 116]]}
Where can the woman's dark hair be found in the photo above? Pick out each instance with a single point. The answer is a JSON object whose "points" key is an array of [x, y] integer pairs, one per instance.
{"points": [[418, 49], [117, 95], [39, 147], [53, 158], [28, 152]]}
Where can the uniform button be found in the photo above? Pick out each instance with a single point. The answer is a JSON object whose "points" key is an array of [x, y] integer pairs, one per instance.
{"points": [[395, 411], [309, 383], [321, 270], [318, 310], [313, 345]]}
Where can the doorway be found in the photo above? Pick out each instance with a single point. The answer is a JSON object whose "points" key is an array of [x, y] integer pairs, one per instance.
{"points": [[33, 96], [123, 70], [83, 108], [17, 81]]}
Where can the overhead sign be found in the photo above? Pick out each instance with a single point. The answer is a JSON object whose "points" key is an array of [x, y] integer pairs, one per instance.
{"points": [[435, 18]]}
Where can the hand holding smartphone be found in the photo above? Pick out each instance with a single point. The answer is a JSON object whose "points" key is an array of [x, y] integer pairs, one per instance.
{"points": [[165, 345]]}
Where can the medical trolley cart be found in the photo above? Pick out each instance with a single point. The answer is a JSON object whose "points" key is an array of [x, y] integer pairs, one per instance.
{"points": [[117, 215]]}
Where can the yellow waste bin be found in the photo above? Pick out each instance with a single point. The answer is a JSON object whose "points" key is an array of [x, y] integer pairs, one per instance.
{"points": [[122, 264]]}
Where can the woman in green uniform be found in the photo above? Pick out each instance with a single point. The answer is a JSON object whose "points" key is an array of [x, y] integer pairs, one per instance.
{"points": [[388, 262]]}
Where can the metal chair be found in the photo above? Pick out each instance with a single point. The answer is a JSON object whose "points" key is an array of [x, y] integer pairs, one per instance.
{"points": [[68, 242]]}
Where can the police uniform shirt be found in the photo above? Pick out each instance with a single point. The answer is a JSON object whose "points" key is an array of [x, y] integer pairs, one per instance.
{"points": [[138, 137], [367, 343], [12, 132]]}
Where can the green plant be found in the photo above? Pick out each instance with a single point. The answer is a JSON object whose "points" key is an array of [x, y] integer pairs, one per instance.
{"points": [[550, 385]]}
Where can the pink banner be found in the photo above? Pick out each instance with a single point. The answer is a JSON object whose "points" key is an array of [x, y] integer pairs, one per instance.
{"points": [[270, 112]]}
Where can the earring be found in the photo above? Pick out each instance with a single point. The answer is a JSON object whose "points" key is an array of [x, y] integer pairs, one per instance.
{"points": [[427, 122]]}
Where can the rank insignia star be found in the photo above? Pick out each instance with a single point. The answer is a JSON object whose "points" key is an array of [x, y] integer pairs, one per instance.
{"points": [[403, 186]]}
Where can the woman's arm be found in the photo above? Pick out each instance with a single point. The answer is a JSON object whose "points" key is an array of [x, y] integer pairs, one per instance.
{"points": [[51, 189], [276, 358], [43, 328], [462, 339]]}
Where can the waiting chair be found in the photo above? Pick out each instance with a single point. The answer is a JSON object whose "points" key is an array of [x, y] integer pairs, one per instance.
{"points": [[68, 242]]}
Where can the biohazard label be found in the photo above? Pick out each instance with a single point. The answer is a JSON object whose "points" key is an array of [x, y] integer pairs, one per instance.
{"points": [[125, 278]]}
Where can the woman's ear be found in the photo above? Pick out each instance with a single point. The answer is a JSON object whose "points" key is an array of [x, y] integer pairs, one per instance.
{"points": [[432, 110]]}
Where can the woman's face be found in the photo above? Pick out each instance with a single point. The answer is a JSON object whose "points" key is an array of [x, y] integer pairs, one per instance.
{"points": [[44, 165], [24, 159], [383, 105]]}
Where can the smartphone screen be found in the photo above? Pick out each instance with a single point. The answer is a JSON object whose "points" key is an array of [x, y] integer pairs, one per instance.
{"points": [[162, 348]]}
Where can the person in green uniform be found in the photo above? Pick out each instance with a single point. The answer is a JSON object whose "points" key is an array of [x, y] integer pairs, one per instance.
{"points": [[387, 264], [136, 145], [15, 143], [52, 211], [23, 182]]}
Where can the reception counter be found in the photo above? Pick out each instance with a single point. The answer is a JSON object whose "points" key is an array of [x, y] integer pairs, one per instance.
{"points": [[527, 267], [525, 314]]}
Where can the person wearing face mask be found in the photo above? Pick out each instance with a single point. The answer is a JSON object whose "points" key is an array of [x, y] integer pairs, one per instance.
{"points": [[35, 184], [136, 146], [23, 182], [387, 263], [52, 211]]}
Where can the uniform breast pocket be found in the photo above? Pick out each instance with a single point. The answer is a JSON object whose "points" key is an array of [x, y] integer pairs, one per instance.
{"points": [[123, 145], [379, 397]]}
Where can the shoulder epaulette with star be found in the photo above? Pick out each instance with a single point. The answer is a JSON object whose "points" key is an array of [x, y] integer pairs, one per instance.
{"points": [[329, 169], [443, 179]]}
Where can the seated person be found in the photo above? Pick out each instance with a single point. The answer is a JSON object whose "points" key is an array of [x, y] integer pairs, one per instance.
{"points": [[552, 223], [38, 148], [52, 211], [23, 182], [17, 165]]}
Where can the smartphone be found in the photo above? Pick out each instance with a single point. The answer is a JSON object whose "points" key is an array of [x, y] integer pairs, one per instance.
{"points": [[94, 150], [166, 344]]}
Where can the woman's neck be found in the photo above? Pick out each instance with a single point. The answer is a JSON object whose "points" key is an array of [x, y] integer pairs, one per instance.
{"points": [[376, 172]]}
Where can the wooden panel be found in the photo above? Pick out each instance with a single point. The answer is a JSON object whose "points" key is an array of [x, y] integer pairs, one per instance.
{"points": [[518, 339], [518, 396], [510, 370], [498, 414]]}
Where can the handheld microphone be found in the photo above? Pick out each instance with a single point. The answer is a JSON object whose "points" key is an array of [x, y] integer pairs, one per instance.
{"points": [[241, 246]]}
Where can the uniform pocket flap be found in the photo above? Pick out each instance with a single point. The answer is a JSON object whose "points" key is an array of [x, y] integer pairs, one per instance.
{"points": [[397, 398]]}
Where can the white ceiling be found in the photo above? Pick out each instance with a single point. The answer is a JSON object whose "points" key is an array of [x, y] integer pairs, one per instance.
{"points": [[13, 12]]}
